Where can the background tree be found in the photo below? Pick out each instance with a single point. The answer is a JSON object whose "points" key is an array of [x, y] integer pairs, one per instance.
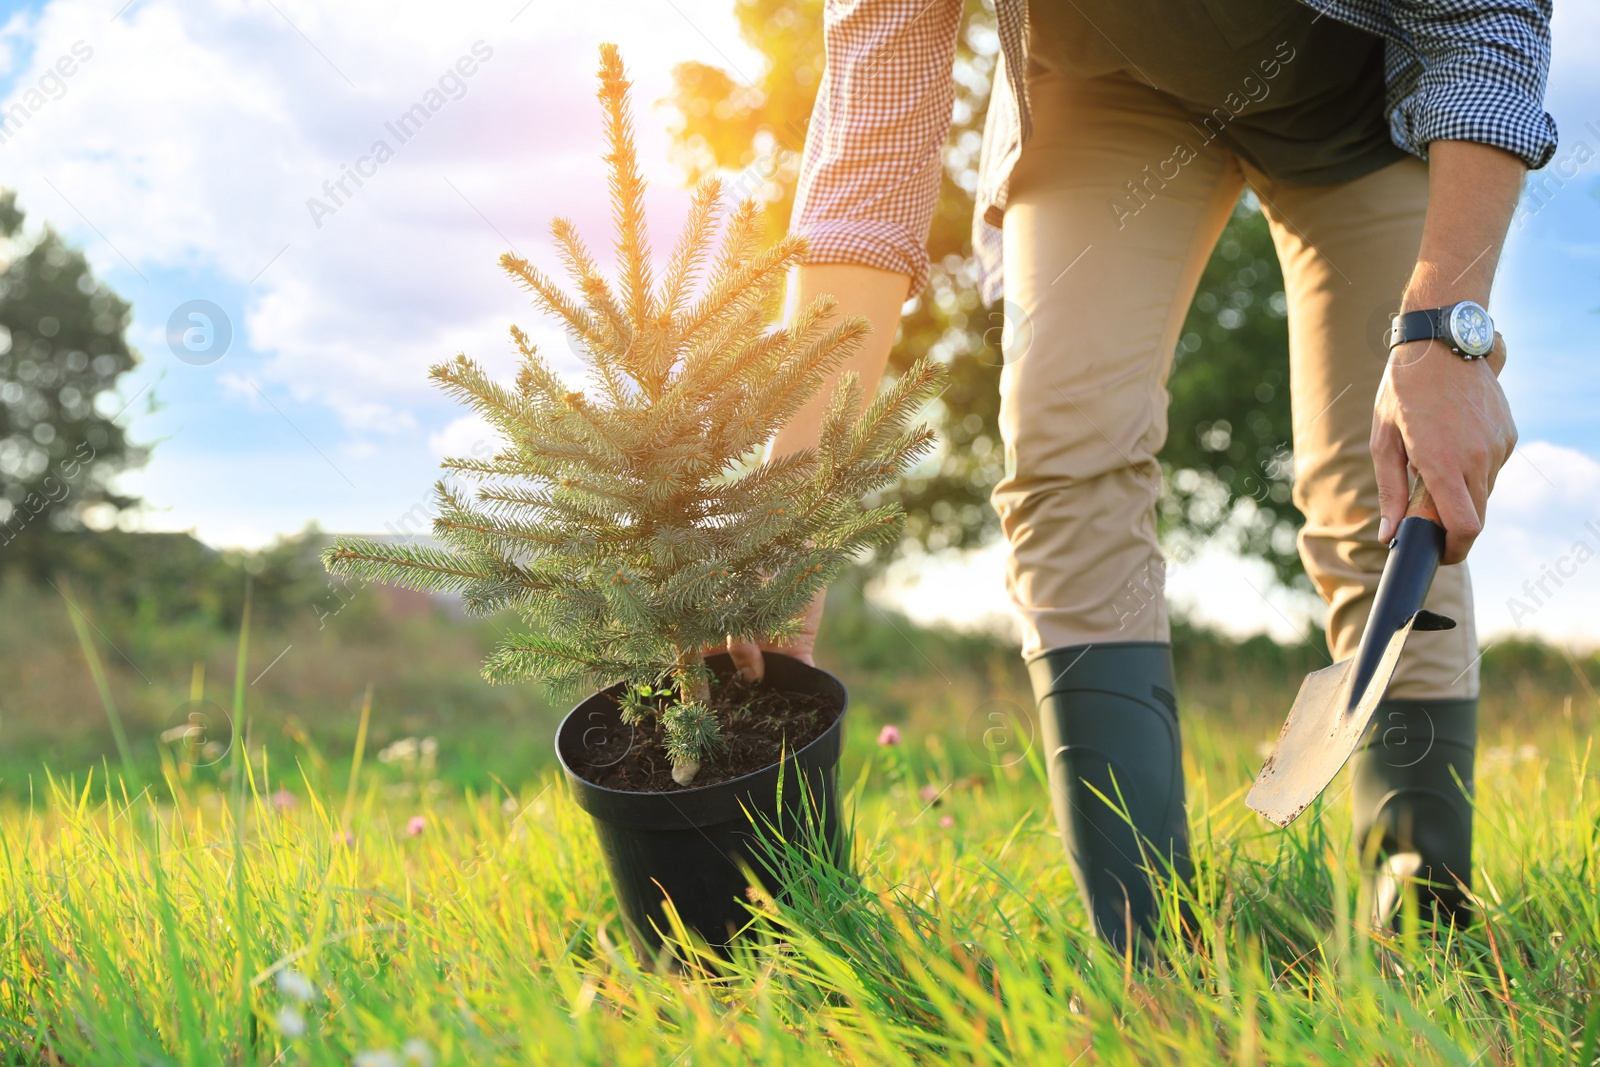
{"points": [[63, 346], [1227, 459]]}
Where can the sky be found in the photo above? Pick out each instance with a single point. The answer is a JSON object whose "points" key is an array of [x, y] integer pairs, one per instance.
{"points": [[202, 153]]}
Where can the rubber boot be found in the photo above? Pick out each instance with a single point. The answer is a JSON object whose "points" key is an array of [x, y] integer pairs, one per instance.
{"points": [[1411, 811], [1109, 723]]}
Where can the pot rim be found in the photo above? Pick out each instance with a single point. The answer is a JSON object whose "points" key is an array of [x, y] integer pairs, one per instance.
{"points": [[702, 790]]}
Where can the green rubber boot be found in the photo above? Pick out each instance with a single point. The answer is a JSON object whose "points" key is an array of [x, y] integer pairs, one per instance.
{"points": [[1107, 712], [1406, 796]]}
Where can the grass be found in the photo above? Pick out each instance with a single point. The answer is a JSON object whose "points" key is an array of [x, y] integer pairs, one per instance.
{"points": [[306, 679], [149, 930], [284, 906]]}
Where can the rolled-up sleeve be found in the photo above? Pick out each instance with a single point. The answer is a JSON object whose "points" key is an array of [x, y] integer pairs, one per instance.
{"points": [[874, 150], [1477, 73]]}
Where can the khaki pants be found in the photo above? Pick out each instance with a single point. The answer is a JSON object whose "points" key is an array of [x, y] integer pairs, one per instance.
{"points": [[1097, 297]]}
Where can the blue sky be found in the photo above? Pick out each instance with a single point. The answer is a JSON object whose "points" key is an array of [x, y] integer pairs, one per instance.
{"points": [[182, 153]]}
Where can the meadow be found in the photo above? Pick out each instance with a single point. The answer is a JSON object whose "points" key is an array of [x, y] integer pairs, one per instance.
{"points": [[321, 876]]}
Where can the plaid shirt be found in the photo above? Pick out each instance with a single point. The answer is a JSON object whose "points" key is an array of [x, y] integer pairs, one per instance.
{"points": [[1457, 70]]}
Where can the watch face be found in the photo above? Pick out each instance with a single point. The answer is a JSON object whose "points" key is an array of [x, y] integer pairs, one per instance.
{"points": [[1471, 329]]}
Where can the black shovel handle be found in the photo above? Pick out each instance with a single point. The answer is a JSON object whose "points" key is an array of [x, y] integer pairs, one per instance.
{"points": [[1407, 576]]}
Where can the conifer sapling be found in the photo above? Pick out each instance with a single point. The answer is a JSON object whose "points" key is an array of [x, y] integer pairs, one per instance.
{"points": [[632, 523]]}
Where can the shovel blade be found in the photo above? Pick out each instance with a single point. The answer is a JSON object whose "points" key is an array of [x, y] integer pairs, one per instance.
{"points": [[1322, 731]]}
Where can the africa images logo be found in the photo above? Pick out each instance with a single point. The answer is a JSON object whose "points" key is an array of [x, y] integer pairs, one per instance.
{"points": [[199, 332]]}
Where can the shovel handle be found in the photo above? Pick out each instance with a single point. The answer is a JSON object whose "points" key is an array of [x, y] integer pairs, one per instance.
{"points": [[1407, 575], [1421, 503]]}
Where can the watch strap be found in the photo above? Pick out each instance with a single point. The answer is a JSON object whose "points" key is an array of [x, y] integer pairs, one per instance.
{"points": [[1424, 325]]}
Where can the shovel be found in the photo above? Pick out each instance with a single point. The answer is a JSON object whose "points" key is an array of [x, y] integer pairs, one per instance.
{"points": [[1336, 703]]}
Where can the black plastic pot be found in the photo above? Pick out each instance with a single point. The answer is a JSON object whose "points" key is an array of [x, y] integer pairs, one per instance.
{"points": [[694, 845]]}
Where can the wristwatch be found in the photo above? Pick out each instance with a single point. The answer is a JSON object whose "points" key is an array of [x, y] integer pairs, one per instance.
{"points": [[1465, 326]]}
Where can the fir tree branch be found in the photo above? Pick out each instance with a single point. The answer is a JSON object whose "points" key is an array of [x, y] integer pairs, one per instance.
{"points": [[787, 388], [843, 405], [888, 415], [746, 227], [458, 521], [618, 332], [690, 254], [627, 187], [713, 376], [753, 282], [501, 466], [409, 566], [778, 478], [520, 505], [556, 663], [551, 298]]}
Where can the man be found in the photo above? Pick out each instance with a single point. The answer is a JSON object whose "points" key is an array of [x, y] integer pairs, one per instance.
{"points": [[1387, 142]]}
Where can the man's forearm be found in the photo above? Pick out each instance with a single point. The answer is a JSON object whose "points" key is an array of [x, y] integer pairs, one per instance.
{"points": [[875, 295], [1472, 195], [1442, 416]]}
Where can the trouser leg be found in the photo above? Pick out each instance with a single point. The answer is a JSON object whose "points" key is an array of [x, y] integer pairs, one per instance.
{"points": [[1098, 281], [1347, 251], [1104, 248]]}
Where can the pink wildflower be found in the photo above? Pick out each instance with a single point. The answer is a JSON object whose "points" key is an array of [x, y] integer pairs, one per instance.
{"points": [[947, 822], [416, 825], [889, 735], [284, 800]]}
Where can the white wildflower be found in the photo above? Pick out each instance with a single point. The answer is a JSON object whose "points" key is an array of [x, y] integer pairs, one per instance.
{"points": [[1496, 759], [291, 1023], [296, 986], [377, 1057], [403, 751]]}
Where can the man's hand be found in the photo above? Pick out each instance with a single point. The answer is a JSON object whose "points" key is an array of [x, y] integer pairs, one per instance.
{"points": [[747, 654], [1436, 413], [875, 295], [1447, 419]]}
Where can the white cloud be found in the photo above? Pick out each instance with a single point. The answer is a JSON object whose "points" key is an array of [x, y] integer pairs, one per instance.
{"points": [[238, 387], [193, 141], [1541, 477], [1573, 31], [466, 436], [1530, 575]]}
